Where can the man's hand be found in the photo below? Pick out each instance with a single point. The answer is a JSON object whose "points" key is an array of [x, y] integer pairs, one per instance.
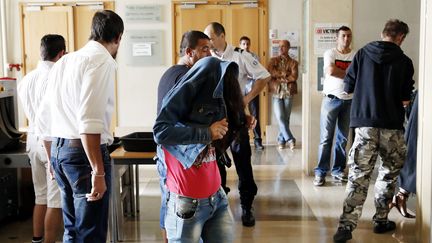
{"points": [[98, 188], [218, 129], [405, 103], [91, 144], [51, 170], [251, 121]]}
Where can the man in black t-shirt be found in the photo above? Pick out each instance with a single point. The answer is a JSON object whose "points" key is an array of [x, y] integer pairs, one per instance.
{"points": [[194, 46]]}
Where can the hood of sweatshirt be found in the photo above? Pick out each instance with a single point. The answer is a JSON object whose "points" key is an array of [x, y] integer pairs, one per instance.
{"points": [[383, 51]]}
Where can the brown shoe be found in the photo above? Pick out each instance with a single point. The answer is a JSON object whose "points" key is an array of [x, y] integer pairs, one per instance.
{"points": [[399, 202]]}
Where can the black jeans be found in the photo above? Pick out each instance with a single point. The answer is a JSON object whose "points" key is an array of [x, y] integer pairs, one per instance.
{"points": [[254, 111], [241, 151]]}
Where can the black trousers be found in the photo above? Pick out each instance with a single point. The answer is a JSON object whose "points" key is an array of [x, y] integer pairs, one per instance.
{"points": [[254, 111], [241, 151]]}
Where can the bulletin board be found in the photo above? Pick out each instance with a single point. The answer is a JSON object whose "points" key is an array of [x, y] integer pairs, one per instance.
{"points": [[144, 47]]}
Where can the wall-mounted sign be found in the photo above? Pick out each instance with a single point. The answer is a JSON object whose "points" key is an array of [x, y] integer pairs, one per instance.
{"points": [[325, 37], [143, 13], [144, 47]]}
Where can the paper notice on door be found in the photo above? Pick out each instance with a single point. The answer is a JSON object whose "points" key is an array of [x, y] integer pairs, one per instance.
{"points": [[142, 49]]}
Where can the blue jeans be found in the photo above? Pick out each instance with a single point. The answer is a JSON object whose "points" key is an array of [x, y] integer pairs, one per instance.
{"points": [[282, 110], [335, 114], [84, 221], [188, 219], [162, 171]]}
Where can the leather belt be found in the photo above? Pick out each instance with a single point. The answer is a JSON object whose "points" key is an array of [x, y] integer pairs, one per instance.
{"points": [[75, 143], [332, 96]]}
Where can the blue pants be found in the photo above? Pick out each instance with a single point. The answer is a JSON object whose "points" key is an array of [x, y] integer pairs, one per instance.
{"points": [[282, 110], [189, 219], [84, 221], [335, 114], [162, 171]]}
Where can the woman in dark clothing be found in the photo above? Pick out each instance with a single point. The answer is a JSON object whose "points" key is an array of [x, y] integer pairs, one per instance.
{"points": [[407, 177]]}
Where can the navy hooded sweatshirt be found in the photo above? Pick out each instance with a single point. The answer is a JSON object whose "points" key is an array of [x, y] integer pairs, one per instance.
{"points": [[381, 77]]}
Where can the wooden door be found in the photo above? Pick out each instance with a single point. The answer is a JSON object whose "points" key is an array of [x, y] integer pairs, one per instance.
{"points": [[83, 16], [238, 20], [192, 19], [244, 22], [71, 20], [38, 21]]}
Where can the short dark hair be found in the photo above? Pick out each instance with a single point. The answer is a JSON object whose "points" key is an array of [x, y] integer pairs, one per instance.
{"points": [[342, 28], [395, 27], [218, 28], [106, 26], [190, 40], [244, 38], [51, 45]]}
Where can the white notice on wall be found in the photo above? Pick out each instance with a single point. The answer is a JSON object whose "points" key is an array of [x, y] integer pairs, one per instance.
{"points": [[325, 37], [292, 36], [141, 49]]}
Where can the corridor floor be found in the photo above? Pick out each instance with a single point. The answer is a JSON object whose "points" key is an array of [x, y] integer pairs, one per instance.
{"points": [[288, 207]]}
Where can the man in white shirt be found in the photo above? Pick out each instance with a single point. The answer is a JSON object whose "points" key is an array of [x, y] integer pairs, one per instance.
{"points": [[81, 101], [47, 210], [253, 107], [240, 148], [335, 109]]}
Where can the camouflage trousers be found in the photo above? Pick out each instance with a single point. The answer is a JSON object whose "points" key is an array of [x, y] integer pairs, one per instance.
{"points": [[370, 142]]}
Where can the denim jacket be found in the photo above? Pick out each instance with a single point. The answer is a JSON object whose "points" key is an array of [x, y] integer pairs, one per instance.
{"points": [[189, 108]]}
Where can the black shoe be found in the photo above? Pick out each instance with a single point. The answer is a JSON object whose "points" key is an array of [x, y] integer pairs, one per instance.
{"points": [[382, 227], [258, 145], [248, 218], [342, 235]]}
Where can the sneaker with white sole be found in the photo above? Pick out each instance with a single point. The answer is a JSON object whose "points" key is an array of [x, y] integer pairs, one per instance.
{"points": [[319, 180], [341, 176]]}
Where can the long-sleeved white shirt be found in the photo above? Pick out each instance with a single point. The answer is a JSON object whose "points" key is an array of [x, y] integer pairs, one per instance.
{"points": [[31, 90], [80, 95]]}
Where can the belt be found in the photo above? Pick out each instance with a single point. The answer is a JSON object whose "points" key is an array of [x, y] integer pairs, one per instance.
{"points": [[332, 96], [201, 201], [74, 143]]}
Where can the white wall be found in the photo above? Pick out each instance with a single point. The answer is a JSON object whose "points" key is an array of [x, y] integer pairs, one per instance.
{"points": [[366, 29], [137, 85]]}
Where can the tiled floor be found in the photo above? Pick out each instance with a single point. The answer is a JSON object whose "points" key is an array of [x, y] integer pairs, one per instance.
{"points": [[288, 207]]}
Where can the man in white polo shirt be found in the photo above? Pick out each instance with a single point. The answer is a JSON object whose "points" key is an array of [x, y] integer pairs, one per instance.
{"points": [[31, 89], [335, 110], [81, 101], [241, 149]]}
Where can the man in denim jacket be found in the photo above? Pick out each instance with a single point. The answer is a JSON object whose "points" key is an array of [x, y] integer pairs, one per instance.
{"points": [[193, 116]]}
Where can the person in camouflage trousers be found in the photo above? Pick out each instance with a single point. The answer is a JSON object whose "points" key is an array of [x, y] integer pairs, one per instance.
{"points": [[369, 143], [380, 78]]}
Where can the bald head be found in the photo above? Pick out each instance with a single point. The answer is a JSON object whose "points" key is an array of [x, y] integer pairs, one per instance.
{"points": [[216, 32], [284, 47]]}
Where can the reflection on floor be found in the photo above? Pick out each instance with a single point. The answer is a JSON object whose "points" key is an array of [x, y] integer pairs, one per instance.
{"points": [[288, 207]]}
